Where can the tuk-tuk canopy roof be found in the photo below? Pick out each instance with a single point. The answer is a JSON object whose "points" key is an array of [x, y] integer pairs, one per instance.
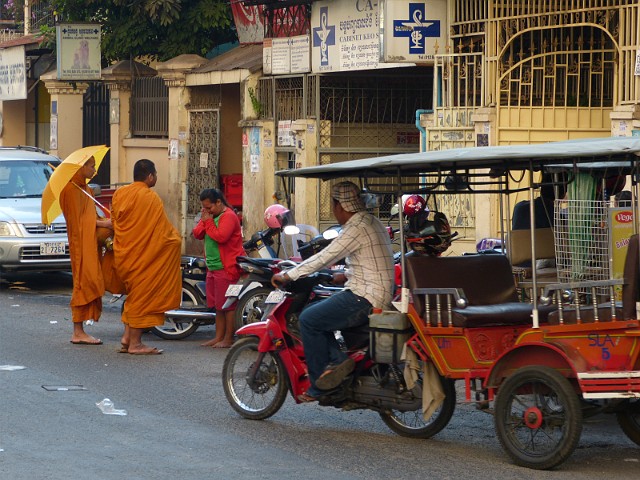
{"points": [[611, 152]]}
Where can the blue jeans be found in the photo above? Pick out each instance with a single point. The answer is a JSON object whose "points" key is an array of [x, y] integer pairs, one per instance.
{"points": [[319, 321]]}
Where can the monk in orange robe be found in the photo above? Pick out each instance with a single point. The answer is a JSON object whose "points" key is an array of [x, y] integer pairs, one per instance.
{"points": [[82, 220], [147, 251]]}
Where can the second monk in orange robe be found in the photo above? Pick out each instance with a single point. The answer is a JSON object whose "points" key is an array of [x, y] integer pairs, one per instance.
{"points": [[147, 250]]}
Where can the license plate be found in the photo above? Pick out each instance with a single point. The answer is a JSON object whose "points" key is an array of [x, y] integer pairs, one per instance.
{"points": [[52, 248], [233, 290], [275, 297]]}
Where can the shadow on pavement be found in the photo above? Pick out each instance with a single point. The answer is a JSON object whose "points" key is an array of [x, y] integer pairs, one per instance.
{"points": [[40, 282]]}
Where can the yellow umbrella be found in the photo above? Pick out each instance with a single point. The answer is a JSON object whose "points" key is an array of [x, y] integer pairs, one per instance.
{"points": [[61, 176]]}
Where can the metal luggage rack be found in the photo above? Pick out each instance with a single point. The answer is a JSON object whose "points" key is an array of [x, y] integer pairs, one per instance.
{"points": [[581, 234]]}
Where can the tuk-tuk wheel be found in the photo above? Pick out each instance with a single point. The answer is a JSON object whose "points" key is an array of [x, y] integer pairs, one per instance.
{"points": [[413, 424], [629, 420], [538, 417]]}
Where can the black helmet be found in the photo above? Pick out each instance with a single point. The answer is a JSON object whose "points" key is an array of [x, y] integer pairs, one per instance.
{"points": [[429, 233]]}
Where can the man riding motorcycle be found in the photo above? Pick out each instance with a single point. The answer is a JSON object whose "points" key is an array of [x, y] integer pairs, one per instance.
{"points": [[365, 243]]}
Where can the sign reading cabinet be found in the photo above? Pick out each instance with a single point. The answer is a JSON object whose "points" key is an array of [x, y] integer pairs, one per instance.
{"points": [[411, 30], [345, 36]]}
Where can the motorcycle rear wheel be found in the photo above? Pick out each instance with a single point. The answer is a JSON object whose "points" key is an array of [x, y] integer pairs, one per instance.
{"points": [[179, 329], [250, 307], [412, 424], [262, 396]]}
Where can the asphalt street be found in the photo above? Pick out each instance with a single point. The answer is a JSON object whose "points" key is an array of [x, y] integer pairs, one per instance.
{"points": [[179, 424]]}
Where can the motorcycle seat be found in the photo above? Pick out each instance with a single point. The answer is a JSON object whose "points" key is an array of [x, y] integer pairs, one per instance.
{"points": [[259, 261]]}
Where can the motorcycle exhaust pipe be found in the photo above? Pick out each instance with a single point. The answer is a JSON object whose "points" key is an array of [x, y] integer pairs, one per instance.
{"points": [[180, 314]]}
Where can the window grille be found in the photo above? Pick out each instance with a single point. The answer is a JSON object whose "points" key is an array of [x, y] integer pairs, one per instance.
{"points": [[149, 108], [289, 98], [375, 110], [558, 67], [265, 96]]}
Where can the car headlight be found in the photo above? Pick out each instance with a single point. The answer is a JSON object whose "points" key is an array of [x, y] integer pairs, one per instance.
{"points": [[6, 230]]}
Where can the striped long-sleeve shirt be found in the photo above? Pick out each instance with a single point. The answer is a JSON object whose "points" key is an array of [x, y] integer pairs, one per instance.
{"points": [[365, 244]]}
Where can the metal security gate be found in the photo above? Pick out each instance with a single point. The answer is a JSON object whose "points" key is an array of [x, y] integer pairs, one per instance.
{"points": [[95, 126], [204, 160], [368, 114]]}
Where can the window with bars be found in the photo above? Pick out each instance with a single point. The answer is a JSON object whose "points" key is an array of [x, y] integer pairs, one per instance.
{"points": [[290, 98], [560, 67], [149, 108], [375, 110]]}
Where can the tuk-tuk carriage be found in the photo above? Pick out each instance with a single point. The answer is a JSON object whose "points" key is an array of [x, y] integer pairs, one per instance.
{"points": [[539, 355]]}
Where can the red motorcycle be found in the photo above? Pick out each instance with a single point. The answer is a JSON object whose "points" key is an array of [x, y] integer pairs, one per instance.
{"points": [[269, 360]]}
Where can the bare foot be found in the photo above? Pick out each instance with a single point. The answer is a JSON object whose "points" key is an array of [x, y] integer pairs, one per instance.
{"points": [[222, 345], [144, 350], [211, 343], [85, 339]]}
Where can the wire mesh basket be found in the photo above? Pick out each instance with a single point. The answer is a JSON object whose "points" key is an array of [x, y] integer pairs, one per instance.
{"points": [[582, 241]]}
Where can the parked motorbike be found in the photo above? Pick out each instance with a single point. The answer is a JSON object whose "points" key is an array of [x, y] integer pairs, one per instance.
{"points": [[252, 289], [262, 242], [269, 360], [255, 284], [193, 311]]}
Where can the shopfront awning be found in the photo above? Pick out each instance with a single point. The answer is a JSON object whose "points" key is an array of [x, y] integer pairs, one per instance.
{"points": [[233, 66]]}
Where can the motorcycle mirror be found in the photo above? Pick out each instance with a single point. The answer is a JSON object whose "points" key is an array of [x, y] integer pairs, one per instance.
{"points": [[286, 218], [395, 210], [371, 200], [330, 234], [291, 230]]}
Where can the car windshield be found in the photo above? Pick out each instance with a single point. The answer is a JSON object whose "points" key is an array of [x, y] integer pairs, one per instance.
{"points": [[24, 178]]}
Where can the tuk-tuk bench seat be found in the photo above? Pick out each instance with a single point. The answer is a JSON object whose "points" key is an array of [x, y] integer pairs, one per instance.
{"points": [[477, 316], [484, 282], [570, 315]]}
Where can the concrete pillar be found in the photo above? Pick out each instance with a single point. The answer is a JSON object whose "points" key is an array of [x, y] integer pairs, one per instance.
{"points": [[174, 73], [66, 113], [307, 205], [484, 119], [258, 168], [118, 79], [487, 206], [625, 121], [120, 128]]}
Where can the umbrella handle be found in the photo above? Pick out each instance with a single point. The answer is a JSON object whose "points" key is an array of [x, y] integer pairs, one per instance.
{"points": [[102, 207]]}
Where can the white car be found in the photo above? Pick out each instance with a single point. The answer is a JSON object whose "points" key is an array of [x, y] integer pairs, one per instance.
{"points": [[25, 242]]}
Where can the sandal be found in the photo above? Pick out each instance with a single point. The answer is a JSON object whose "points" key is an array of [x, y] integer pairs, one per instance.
{"points": [[333, 376], [306, 398]]}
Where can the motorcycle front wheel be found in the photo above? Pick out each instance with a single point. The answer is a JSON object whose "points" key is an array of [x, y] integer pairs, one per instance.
{"points": [[414, 425], [255, 383], [250, 307], [174, 329]]}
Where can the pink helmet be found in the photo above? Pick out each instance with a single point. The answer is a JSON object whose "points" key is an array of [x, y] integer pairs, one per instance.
{"points": [[413, 204], [273, 215]]}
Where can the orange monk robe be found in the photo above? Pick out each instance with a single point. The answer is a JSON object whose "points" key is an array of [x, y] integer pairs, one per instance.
{"points": [[147, 251], [88, 284]]}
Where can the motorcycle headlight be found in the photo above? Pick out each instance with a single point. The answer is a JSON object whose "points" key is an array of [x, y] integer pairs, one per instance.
{"points": [[6, 230]]}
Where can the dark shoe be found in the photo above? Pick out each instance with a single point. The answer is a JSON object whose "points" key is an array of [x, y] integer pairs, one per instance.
{"points": [[334, 375]]}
